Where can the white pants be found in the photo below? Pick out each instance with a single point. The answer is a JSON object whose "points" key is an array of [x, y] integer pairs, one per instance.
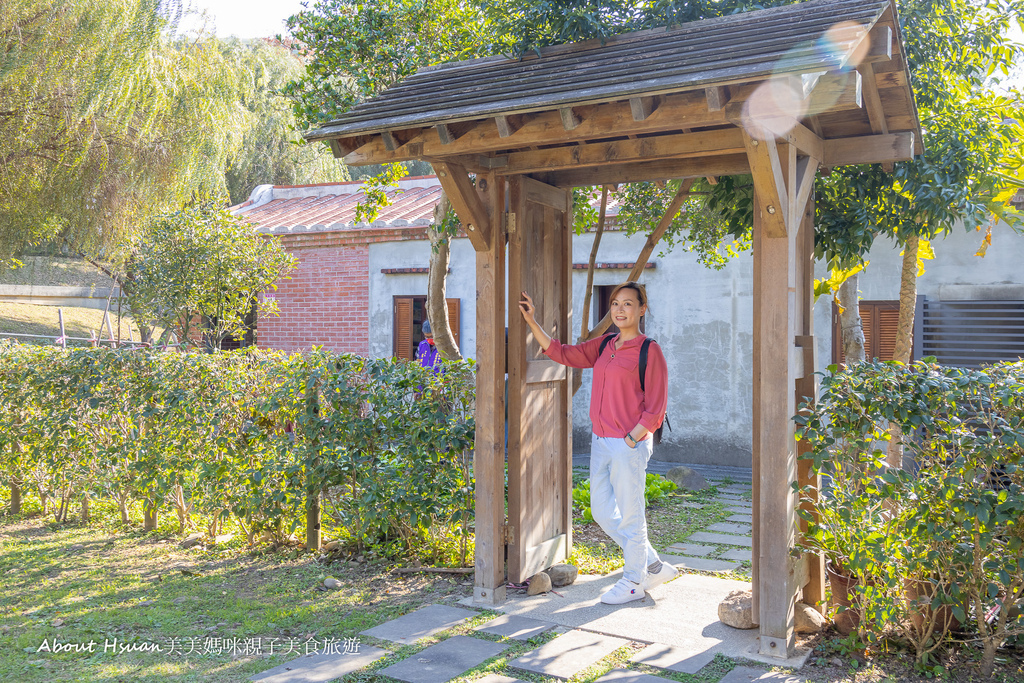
{"points": [[618, 475]]}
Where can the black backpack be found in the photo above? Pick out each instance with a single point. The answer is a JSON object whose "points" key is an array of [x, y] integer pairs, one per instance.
{"points": [[643, 374]]}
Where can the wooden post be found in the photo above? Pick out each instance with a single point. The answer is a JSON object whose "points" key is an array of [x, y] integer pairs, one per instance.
{"points": [[807, 387], [489, 455], [774, 456], [60, 323]]}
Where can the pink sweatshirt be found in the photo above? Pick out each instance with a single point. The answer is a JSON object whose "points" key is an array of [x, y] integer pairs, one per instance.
{"points": [[616, 402]]}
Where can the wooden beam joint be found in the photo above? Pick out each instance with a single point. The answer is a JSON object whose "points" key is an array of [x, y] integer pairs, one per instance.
{"points": [[570, 118], [642, 107], [466, 202]]}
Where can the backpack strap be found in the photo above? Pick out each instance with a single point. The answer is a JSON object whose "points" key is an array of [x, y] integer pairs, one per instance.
{"points": [[643, 361], [604, 343]]}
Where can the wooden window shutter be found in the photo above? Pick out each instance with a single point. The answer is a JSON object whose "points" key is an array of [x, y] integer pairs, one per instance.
{"points": [[453, 320], [402, 337], [880, 320]]}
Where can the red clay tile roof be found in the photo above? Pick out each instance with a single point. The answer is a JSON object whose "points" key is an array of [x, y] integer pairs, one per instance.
{"points": [[284, 209]]}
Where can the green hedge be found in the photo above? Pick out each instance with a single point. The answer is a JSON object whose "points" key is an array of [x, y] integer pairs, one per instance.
{"points": [[942, 537], [249, 435]]}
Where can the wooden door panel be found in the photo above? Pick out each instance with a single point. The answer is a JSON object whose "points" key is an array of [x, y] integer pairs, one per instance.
{"points": [[540, 410]]}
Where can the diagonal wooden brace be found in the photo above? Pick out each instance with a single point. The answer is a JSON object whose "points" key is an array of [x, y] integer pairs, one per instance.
{"points": [[466, 203]]}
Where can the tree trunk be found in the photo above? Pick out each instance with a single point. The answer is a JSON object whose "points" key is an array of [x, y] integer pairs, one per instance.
{"points": [[849, 318], [904, 336], [313, 520], [437, 304], [149, 515], [15, 507], [85, 508], [122, 505], [577, 374], [674, 206]]}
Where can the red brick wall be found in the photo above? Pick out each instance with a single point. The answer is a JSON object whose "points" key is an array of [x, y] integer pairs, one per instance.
{"points": [[327, 300]]}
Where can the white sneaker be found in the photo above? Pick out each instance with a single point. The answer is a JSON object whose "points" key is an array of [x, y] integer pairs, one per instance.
{"points": [[666, 572], [623, 591]]}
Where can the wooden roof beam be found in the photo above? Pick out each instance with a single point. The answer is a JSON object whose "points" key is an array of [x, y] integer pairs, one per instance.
{"points": [[570, 118], [700, 144], [642, 107], [448, 133], [717, 97], [342, 148], [466, 202], [394, 139], [869, 149], [508, 124], [660, 169], [543, 128]]}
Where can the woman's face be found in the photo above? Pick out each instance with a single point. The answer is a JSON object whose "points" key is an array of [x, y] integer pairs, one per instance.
{"points": [[626, 309]]}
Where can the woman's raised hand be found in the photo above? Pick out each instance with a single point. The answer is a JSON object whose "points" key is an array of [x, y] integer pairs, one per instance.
{"points": [[526, 307]]}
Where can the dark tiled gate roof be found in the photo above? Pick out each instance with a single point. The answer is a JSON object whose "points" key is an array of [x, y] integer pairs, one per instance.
{"points": [[803, 38]]}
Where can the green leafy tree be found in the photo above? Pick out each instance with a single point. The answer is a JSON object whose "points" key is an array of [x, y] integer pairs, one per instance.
{"points": [[106, 118], [271, 150], [199, 271]]}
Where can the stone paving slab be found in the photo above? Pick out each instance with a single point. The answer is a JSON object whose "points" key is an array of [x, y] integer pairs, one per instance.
{"points": [[497, 678], [422, 623], [730, 528], [320, 668], [655, 619], [444, 661], [738, 555], [735, 488], [722, 539], [740, 509], [690, 504], [731, 498], [515, 627], [778, 677], [568, 654], [625, 676], [673, 658], [691, 549], [742, 674], [741, 519], [701, 564]]}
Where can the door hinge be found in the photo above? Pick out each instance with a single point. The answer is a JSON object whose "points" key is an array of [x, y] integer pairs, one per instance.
{"points": [[508, 533], [510, 222]]}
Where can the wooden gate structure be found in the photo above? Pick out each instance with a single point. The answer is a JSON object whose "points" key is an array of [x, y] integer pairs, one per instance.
{"points": [[776, 94]]}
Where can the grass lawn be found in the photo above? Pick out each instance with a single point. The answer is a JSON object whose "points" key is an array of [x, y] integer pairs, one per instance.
{"points": [[109, 582], [54, 271], [78, 322]]}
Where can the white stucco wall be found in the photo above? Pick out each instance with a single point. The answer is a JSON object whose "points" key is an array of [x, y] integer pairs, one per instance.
{"points": [[703, 320], [461, 285], [956, 273]]}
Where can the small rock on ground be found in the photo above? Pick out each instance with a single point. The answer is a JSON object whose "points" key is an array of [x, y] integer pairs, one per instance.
{"points": [[735, 610], [808, 619], [192, 540], [539, 583], [563, 574], [687, 479], [332, 583]]}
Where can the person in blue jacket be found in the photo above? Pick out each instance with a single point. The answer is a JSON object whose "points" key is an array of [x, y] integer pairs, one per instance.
{"points": [[427, 354]]}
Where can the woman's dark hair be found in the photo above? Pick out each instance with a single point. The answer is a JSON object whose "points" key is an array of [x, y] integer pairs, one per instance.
{"points": [[641, 292]]}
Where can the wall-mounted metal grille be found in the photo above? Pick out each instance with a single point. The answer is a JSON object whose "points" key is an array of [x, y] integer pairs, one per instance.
{"points": [[972, 333]]}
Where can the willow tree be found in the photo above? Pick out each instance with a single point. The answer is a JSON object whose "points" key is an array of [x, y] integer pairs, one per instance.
{"points": [[106, 118], [271, 149]]}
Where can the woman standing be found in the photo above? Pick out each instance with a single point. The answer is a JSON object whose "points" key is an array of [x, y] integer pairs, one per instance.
{"points": [[623, 417]]}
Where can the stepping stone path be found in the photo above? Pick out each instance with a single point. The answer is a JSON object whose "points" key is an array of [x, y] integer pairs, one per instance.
{"points": [[672, 658], [444, 661], [568, 654], [422, 623], [723, 546]]}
